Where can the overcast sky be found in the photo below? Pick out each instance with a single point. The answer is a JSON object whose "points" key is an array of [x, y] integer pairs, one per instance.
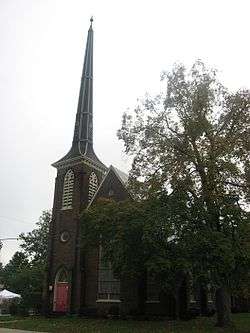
{"points": [[42, 48]]}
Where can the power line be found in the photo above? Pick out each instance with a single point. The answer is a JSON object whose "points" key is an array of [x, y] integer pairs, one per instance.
{"points": [[11, 218], [14, 219], [9, 238]]}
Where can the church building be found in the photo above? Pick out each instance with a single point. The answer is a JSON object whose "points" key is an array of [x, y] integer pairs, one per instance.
{"points": [[80, 282]]}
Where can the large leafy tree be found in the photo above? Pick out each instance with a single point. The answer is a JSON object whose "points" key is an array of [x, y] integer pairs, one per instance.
{"points": [[195, 138], [119, 229], [139, 238]]}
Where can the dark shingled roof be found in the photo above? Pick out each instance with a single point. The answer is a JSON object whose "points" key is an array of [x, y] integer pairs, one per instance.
{"points": [[82, 145]]}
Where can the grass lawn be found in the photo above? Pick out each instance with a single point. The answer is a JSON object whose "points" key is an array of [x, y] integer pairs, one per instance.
{"points": [[77, 325]]}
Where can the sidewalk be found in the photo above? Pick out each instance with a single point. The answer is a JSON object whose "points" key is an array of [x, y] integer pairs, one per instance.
{"points": [[8, 330]]}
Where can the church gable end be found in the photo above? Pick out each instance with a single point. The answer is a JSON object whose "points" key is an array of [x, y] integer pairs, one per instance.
{"points": [[112, 186]]}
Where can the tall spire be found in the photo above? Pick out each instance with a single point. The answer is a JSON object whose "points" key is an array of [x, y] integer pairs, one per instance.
{"points": [[82, 144], [83, 134]]}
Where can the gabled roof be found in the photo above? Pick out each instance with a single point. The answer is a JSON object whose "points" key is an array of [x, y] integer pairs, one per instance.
{"points": [[120, 175]]}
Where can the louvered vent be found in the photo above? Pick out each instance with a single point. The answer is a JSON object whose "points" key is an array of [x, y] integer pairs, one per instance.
{"points": [[93, 185], [68, 190]]}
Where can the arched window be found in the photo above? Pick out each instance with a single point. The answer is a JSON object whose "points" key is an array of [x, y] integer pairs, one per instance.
{"points": [[68, 186], [61, 276], [93, 185], [108, 285]]}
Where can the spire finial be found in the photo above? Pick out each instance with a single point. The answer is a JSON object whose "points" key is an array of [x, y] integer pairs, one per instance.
{"points": [[91, 20]]}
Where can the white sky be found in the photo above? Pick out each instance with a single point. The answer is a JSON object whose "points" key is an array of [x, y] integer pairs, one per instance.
{"points": [[42, 48]]}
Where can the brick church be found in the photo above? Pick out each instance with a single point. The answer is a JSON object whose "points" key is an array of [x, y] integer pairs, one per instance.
{"points": [[78, 281]]}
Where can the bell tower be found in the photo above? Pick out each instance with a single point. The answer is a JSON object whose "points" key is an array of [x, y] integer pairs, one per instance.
{"points": [[79, 174]]}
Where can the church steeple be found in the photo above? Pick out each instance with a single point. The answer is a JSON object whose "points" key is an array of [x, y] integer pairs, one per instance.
{"points": [[82, 144], [83, 134]]}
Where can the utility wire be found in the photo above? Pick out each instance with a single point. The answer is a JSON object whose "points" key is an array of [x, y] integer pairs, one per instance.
{"points": [[9, 238], [14, 219]]}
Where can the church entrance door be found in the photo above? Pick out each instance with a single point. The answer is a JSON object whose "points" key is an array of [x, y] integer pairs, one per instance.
{"points": [[61, 293], [61, 299]]}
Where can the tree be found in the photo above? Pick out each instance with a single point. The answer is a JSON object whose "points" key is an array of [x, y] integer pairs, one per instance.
{"points": [[24, 273], [35, 242], [118, 228], [195, 138], [138, 238]]}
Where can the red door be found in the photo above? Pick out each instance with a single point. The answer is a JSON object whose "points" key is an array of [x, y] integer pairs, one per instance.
{"points": [[61, 297]]}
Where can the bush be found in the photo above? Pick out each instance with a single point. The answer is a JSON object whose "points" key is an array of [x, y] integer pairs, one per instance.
{"points": [[22, 309], [13, 309]]}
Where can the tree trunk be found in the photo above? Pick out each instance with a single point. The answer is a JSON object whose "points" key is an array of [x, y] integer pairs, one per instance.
{"points": [[177, 306], [223, 307], [182, 294], [142, 293], [203, 301]]}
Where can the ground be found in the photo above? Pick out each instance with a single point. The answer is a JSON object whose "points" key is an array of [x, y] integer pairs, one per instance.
{"points": [[81, 325]]}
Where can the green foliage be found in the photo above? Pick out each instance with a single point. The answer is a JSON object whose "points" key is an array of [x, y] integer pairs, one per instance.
{"points": [[24, 274], [121, 228], [25, 278], [139, 236], [35, 243], [195, 138]]}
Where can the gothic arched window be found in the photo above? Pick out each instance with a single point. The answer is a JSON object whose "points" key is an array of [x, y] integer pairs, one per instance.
{"points": [[61, 276], [68, 186], [93, 185]]}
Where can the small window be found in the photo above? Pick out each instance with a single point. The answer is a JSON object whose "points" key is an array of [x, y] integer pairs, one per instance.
{"points": [[68, 186], [93, 185], [108, 285]]}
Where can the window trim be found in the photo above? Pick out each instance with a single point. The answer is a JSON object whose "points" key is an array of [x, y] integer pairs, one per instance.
{"points": [[100, 300]]}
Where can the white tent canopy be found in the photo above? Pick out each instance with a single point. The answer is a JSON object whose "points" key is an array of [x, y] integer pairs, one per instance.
{"points": [[6, 294]]}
